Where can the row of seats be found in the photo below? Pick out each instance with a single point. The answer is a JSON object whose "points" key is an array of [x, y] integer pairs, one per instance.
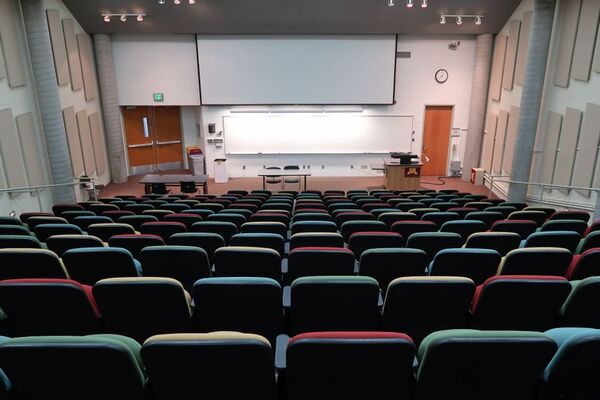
{"points": [[143, 307], [452, 364]]}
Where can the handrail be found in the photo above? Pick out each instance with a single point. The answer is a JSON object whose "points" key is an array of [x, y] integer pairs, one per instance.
{"points": [[493, 180], [35, 190]]}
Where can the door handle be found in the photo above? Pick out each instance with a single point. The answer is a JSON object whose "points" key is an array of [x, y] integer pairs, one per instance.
{"points": [[135, 146], [170, 142]]}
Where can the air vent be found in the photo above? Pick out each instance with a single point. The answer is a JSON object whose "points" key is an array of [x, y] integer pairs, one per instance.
{"points": [[403, 54]]}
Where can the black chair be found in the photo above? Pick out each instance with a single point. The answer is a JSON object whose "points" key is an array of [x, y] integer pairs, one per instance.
{"points": [[187, 187], [292, 179], [273, 180], [159, 188]]}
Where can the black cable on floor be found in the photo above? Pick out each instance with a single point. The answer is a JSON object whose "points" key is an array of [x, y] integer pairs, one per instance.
{"points": [[440, 178]]}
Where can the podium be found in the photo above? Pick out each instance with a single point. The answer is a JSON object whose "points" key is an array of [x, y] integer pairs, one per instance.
{"points": [[402, 176]]}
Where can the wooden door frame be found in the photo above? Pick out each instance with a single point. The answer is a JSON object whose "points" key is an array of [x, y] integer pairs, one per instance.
{"points": [[449, 133], [136, 170]]}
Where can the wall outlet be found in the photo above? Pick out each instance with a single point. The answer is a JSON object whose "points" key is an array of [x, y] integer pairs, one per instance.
{"points": [[352, 167], [243, 167], [209, 140]]}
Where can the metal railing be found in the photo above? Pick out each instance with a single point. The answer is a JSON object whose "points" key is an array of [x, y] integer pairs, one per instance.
{"points": [[495, 179], [88, 184]]}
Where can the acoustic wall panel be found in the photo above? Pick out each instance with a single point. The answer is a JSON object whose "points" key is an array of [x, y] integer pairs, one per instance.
{"points": [[34, 163], [11, 152], [9, 36], [87, 65], [586, 40], [499, 145], [511, 138], [597, 59], [498, 67], [567, 147], [72, 53], [59, 51], [511, 55], [523, 48], [87, 147], [2, 69], [73, 141], [98, 142], [550, 148], [488, 142], [587, 148], [569, 11]]}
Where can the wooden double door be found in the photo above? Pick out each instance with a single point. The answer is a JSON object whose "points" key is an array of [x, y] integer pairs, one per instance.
{"points": [[153, 138]]}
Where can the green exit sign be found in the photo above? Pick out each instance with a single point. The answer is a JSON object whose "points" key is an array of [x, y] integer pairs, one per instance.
{"points": [[159, 97]]}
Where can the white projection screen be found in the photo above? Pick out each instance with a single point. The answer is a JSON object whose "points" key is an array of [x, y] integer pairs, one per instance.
{"points": [[296, 69]]}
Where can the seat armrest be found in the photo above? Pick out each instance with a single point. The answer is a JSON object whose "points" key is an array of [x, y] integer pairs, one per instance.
{"points": [[380, 300], [284, 266], [287, 297], [280, 349]]}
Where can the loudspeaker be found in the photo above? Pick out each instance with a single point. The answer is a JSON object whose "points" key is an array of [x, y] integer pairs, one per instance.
{"points": [[212, 128]]}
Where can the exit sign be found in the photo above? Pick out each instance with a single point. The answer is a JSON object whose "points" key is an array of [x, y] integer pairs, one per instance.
{"points": [[159, 97]]}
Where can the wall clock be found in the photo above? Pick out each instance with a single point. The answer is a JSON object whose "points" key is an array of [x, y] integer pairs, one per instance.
{"points": [[441, 76]]}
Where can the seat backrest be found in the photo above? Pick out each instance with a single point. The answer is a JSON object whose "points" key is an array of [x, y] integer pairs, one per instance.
{"points": [[502, 242], [239, 304], [362, 241], [584, 265], [407, 228], [227, 365], [88, 265], [464, 228], [26, 303], [209, 242], [30, 263], [564, 239], [351, 227], [475, 264], [565, 225], [135, 243], [470, 365], [19, 242], [35, 221], [264, 227], [239, 261], [590, 241], [334, 304], [536, 261], [67, 366], [433, 242], [319, 261], [142, 307], [422, 305], [580, 308], [487, 217], [61, 243], [106, 231], [313, 226], [185, 264], [352, 365], [385, 265], [225, 229], [316, 239], [440, 218], [580, 215], [519, 302], [14, 230], [570, 374], [85, 221], [44, 231]]}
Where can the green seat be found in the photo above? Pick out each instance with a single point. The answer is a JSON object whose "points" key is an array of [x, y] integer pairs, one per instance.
{"points": [[19, 242], [476, 365]]}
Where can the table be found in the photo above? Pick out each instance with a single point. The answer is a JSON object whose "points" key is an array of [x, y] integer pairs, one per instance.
{"points": [[282, 173], [174, 180], [402, 176]]}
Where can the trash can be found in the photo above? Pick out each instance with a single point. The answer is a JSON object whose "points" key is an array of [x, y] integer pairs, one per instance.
{"points": [[196, 164], [220, 167], [477, 175]]}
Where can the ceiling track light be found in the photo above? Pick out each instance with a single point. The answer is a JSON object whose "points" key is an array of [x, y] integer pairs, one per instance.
{"points": [[177, 2], [409, 3], [391, 3], [161, 2], [124, 17], [478, 19], [424, 4]]}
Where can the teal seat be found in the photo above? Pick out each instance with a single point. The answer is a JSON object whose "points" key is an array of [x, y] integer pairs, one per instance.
{"points": [[185, 264], [19, 242], [88, 265], [476, 264]]}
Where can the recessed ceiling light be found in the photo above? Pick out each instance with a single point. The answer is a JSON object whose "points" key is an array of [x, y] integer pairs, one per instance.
{"points": [[478, 21], [192, 1], [123, 18], [409, 3], [443, 20], [459, 20], [161, 2], [107, 18], [391, 3], [423, 3], [177, 2], [140, 18]]}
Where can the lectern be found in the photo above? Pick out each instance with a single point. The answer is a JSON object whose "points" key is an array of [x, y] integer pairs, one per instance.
{"points": [[400, 176]]}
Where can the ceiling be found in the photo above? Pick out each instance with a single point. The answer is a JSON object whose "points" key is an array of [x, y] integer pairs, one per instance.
{"points": [[291, 16]]}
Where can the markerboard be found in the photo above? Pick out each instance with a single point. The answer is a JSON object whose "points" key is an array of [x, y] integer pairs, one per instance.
{"points": [[316, 134]]}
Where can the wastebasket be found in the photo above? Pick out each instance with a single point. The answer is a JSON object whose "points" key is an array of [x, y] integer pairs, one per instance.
{"points": [[196, 164], [220, 167]]}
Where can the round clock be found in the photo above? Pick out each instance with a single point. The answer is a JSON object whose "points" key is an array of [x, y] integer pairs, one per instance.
{"points": [[441, 76]]}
